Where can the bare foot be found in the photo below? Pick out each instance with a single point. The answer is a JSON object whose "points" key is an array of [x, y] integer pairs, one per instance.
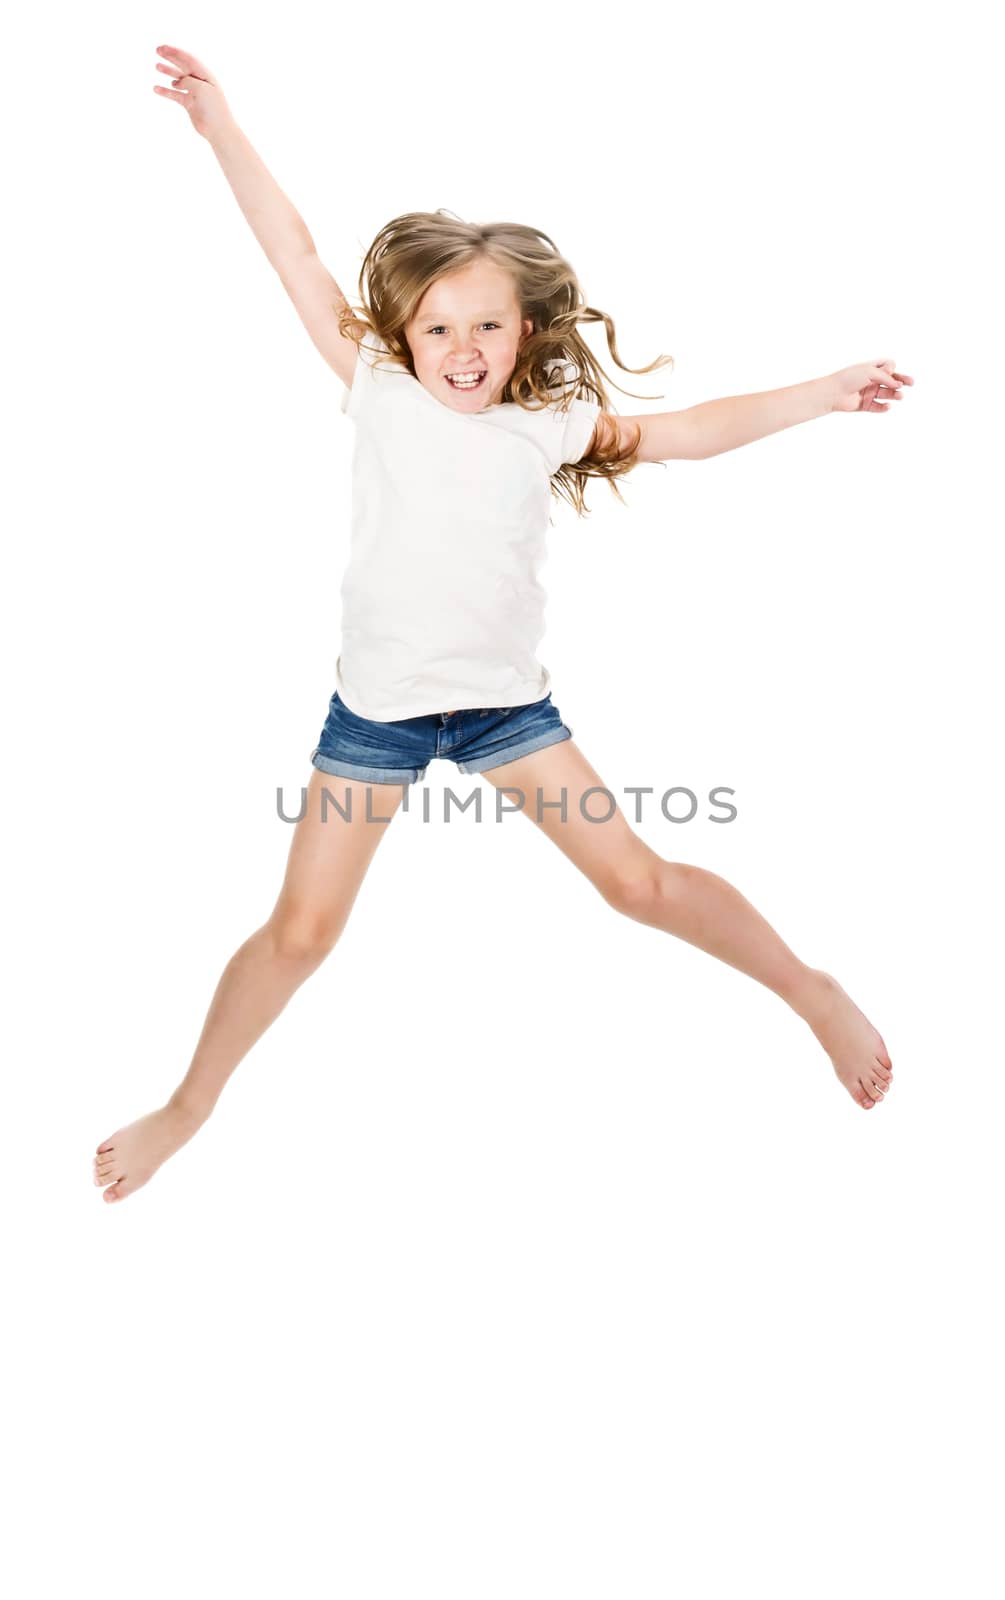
{"points": [[131, 1156], [858, 1054]]}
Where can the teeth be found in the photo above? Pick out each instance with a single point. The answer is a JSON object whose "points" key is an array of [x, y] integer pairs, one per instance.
{"points": [[468, 381]]}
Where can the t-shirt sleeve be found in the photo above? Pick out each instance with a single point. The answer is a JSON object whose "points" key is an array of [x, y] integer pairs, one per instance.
{"points": [[579, 423], [565, 434], [365, 376], [568, 439]]}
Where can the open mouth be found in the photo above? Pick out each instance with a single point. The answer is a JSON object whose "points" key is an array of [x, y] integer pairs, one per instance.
{"points": [[466, 380]]}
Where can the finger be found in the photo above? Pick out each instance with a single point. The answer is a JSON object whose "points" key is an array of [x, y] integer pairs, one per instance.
{"points": [[171, 94], [177, 56], [188, 63], [187, 83], [172, 52], [897, 377]]}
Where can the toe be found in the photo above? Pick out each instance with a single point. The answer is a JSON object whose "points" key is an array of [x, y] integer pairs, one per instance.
{"points": [[117, 1191]]}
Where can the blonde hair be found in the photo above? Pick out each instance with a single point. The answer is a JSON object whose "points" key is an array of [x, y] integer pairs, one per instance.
{"points": [[411, 252]]}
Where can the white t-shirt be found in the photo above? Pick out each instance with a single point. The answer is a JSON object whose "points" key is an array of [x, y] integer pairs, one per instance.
{"points": [[441, 606]]}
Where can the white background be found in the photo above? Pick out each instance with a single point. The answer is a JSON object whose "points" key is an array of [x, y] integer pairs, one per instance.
{"points": [[531, 1252]]}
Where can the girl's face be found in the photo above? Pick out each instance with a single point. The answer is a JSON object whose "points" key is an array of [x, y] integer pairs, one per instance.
{"points": [[467, 322]]}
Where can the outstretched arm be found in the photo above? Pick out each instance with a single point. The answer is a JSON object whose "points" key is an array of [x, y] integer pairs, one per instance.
{"points": [[715, 426], [277, 225]]}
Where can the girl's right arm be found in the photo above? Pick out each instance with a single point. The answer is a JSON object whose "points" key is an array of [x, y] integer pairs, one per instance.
{"points": [[275, 222]]}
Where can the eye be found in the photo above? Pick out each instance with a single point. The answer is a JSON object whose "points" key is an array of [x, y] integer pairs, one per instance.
{"points": [[439, 325]]}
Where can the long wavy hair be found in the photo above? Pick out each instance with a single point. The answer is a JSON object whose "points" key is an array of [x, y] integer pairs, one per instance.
{"points": [[411, 252]]}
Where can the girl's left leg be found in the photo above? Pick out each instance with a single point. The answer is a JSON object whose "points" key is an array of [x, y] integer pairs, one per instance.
{"points": [[693, 904]]}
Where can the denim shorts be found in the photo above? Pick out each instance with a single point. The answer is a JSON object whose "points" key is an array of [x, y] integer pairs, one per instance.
{"points": [[399, 752]]}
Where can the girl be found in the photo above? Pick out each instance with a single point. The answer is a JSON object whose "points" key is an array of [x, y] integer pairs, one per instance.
{"points": [[474, 398]]}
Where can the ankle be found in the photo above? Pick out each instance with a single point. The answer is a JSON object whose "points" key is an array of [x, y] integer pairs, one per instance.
{"points": [[187, 1108], [811, 993]]}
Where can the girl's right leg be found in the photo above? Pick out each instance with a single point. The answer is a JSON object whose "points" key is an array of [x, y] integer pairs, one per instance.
{"points": [[327, 862]]}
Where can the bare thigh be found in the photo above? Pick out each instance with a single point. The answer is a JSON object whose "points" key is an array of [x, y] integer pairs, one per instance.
{"points": [[329, 856], [608, 852]]}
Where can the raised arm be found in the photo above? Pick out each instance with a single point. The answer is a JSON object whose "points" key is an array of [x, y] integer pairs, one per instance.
{"points": [[277, 225], [715, 426]]}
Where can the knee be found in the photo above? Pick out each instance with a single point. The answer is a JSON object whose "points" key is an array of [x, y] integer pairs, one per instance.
{"points": [[302, 937], [645, 892]]}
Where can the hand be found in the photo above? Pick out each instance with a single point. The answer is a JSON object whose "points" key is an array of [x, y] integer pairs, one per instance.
{"points": [[867, 387], [196, 89]]}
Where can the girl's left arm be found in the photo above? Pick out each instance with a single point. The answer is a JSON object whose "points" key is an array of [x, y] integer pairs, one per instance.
{"points": [[715, 426]]}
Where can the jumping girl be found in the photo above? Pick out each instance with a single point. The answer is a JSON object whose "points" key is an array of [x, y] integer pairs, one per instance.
{"points": [[474, 398]]}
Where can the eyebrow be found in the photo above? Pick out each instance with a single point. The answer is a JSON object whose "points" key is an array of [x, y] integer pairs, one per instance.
{"points": [[439, 316]]}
